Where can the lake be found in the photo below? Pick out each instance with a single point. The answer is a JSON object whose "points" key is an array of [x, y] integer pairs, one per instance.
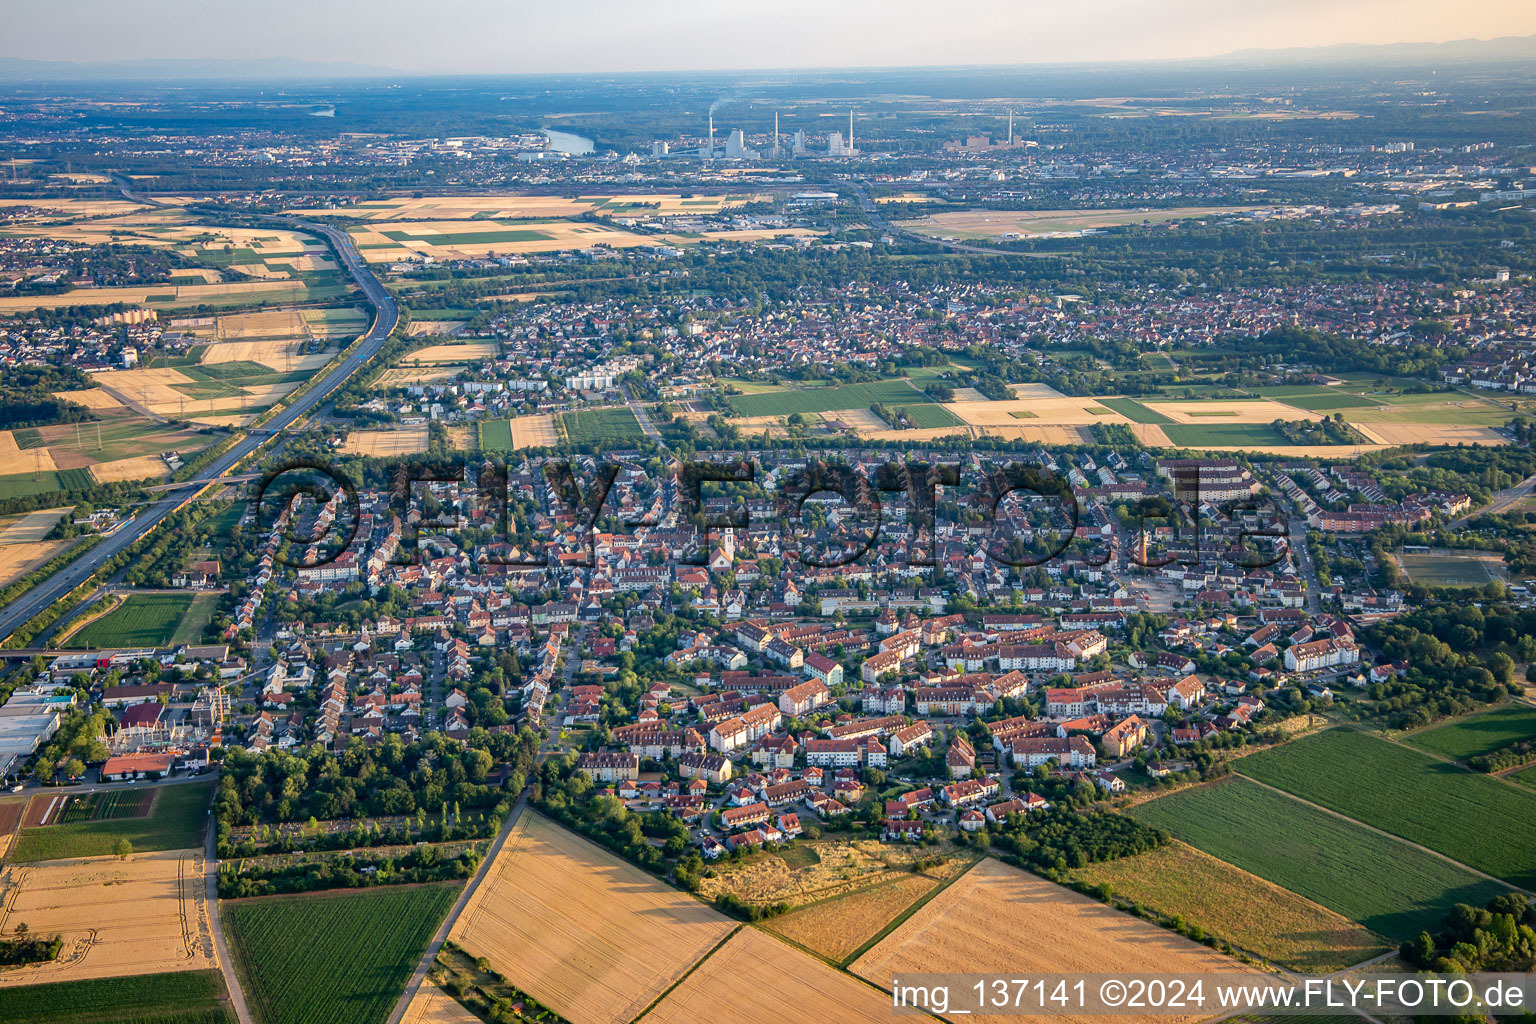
{"points": [[565, 142]]}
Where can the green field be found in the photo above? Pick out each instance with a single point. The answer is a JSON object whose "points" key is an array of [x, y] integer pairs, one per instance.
{"points": [[895, 393], [1444, 568], [176, 823], [24, 485], [1480, 821], [495, 435], [930, 416], [142, 620], [1135, 411], [1482, 733], [1383, 883], [1525, 777], [1223, 435], [190, 629], [599, 426], [185, 997], [323, 959], [1315, 398]]}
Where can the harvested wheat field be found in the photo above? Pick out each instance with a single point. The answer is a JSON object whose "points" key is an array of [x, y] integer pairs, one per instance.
{"points": [[145, 915], [454, 353], [1150, 434], [1429, 433], [534, 432], [283, 356], [277, 323], [17, 460], [1049, 411], [149, 387], [398, 378], [405, 441], [1256, 915], [34, 526], [141, 468], [1041, 435], [93, 399], [838, 926], [428, 328], [431, 1005], [861, 420], [583, 932], [754, 980], [18, 559], [1034, 390], [1248, 410], [970, 395], [998, 919]]}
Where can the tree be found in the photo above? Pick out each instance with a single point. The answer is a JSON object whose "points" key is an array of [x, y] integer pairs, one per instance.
{"points": [[44, 769], [124, 849], [74, 768]]}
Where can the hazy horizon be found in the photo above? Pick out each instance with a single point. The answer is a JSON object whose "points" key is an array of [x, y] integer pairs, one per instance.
{"points": [[479, 37]]}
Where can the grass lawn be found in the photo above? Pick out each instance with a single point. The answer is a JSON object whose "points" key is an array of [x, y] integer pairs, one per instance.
{"points": [[1259, 916], [496, 435], [930, 416], [1135, 411], [176, 823], [1316, 399], [895, 393], [1382, 883], [601, 426], [1525, 777], [184, 997], [1214, 435], [1480, 733], [1480, 821], [332, 959], [142, 620]]}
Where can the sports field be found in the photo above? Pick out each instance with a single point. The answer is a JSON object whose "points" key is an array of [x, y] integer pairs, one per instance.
{"points": [[322, 958], [142, 620], [1380, 882], [1479, 733], [1242, 908], [1480, 821], [1445, 568], [617, 427]]}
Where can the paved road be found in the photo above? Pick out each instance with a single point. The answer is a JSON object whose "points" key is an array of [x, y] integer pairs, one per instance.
{"points": [[231, 980], [435, 946], [1501, 503], [28, 605]]}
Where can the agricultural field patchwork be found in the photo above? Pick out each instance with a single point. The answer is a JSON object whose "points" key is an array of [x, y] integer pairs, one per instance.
{"points": [[753, 979], [588, 935], [999, 919], [333, 958], [1255, 915], [1380, 882], [1480, 821], [176, 821]]}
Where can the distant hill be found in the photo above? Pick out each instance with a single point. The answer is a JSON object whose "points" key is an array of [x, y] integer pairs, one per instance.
{"points": [[13, 69], [1460, 51]]}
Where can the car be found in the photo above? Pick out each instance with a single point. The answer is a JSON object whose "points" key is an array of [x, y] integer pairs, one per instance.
{"points": [[16, 788]]}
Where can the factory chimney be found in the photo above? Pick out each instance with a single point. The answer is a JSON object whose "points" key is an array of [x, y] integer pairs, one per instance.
{"points": [[1010, 127], [775, 133], [711, 133], [850, 133]]}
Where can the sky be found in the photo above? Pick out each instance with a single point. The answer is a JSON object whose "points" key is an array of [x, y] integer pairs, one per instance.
{"points": [[519, 36]]}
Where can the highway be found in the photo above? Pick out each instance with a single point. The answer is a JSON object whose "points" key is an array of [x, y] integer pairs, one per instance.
{"points": [[387, 315]]}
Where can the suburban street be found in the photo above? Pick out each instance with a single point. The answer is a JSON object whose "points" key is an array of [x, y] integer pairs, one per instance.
{"points": [[387, 315]]}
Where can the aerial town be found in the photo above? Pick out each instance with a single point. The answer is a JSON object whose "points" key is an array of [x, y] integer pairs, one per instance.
{"points": [[721, 547]]}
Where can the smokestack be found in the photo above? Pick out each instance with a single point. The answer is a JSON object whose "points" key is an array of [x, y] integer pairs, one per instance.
{"points": [[1010, 127], [711, 133], [775, 133], [850, 133]]}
